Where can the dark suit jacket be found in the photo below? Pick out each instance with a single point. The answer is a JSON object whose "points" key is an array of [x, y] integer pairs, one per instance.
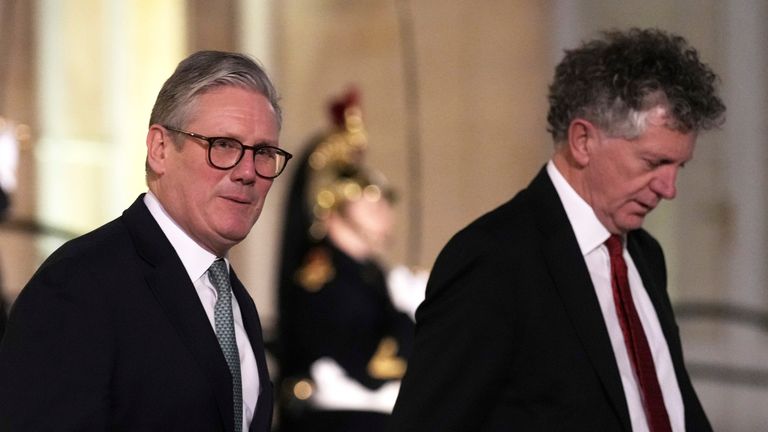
{"points": [[109, 334], [511, 336]]}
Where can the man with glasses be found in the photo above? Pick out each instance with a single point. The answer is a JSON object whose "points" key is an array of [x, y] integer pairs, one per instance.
{"points": [[141, 324], [551, 312]]}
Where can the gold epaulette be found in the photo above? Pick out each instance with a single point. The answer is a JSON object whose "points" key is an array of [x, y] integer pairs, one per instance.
{"points": [[385, 364], [316, 270]]}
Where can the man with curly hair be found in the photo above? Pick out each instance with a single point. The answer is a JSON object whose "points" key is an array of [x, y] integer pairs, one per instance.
{"points": [[551, 312]]}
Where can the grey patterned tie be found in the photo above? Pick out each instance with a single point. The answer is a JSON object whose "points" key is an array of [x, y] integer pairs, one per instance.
{"points": [[225, 332]]}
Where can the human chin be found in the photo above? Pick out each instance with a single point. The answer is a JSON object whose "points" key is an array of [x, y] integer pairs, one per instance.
{"points": [[629, 221], [234, 231], [244, 217], [233, 220]]}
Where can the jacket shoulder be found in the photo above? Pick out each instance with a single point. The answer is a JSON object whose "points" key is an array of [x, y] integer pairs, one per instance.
{"points": [[501, 227], [493, 239], [93, 245], [96, 251]]}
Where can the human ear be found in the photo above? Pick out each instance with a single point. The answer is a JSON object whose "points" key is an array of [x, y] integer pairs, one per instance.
{"points": [[582, 136], [157, 148]]}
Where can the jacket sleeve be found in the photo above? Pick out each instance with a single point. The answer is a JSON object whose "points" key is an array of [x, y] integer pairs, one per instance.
{"points": [[463, 344]]}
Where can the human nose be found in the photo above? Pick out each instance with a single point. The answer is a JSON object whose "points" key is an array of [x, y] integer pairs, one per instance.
{"points": [[664, 183], [245, 170]]}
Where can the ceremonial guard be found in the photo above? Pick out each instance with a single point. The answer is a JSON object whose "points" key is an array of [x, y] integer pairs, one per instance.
{"points": [[343, 343]]}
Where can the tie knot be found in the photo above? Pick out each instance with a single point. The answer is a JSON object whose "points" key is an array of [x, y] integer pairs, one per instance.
{"points": [[218, 274], [614, 245]]}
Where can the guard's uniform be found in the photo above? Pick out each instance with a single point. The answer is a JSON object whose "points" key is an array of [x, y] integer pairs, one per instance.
{"points": [[338, 309]]}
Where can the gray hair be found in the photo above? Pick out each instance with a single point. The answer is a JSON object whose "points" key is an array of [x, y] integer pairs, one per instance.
{"points": [[615, 80], [203, 71], [621, 121]]}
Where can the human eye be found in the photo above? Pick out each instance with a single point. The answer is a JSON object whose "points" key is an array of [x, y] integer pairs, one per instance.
{"points": [[655, 163], [652, 163], [225, 144], [266, 152]]}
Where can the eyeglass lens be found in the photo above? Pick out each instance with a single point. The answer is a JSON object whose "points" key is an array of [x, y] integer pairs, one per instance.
{"points": [[226, 153]]}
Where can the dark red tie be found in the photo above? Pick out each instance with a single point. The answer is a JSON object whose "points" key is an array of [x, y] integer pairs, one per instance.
{"points": [[634, 338]]}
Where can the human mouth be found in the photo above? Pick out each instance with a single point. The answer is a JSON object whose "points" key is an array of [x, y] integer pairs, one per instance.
{"points": [[238, 199], [646, 207]]}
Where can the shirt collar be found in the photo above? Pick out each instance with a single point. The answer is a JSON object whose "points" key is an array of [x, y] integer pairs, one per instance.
{"points": [[194, 257], [590, 233]]}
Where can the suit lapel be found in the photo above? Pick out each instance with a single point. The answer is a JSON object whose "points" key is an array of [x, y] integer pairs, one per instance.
{"points": [[170, 284], [574, 285], [655, 286], [262, 416], [650, 265]]}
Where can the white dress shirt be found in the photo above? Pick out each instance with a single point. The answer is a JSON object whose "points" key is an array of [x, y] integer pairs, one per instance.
{"points": [[196, 261], [591, 236]]}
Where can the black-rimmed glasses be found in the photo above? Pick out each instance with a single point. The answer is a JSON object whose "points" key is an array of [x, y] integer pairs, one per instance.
{"points": [[224, 153]]}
